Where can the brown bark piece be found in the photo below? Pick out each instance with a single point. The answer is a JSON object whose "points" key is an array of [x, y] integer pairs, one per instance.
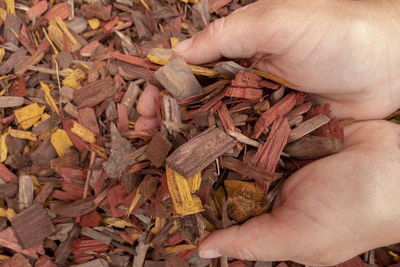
{"points": [[138, 19], [307, 127], [200, 151], [178, 79], [12, 23], [8, 190], [158, 149], [63, 251], [313, 147], [32, 225], [8, 239], [118, 160], [93, 234], [75, 209], [248, 171], [44, 153], [21, 68], [87, 117], [12, 61], [46, 125], [94, 93], [11, 101], [44, 193], [6, 174], [18, 260]]}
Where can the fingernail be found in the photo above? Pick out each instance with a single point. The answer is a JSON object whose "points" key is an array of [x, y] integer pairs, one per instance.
{"points": [[183, 46], [209, 253]]}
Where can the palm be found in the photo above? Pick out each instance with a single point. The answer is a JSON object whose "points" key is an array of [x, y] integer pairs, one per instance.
{"points": [[335, 55], [332, 209]]}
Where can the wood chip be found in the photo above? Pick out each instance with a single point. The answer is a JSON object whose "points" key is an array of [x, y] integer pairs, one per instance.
{"points": [[158, 149], [178, 79], [307, 127], [93, 93], [32, 225], [200, 151]]}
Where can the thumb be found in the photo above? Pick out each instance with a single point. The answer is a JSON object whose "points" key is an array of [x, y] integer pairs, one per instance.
{"points": [[261, 238], [231, 37]]}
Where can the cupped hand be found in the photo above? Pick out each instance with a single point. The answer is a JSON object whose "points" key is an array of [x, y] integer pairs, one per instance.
{"points": [[330, 210], [346, 52]]}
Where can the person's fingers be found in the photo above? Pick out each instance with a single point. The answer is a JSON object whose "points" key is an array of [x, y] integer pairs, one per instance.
{"points": [[262, 238], [148, 101], [233, 36], [146, 123]]}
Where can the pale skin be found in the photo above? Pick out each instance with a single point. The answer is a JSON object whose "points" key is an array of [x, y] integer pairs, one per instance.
{"points": [[346, 53]]}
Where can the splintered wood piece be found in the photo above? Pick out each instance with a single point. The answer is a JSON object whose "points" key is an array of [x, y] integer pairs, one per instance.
{"points": [[171, 111], [200, 14], [297, 111], [138, 18], [75, 209], [6, 174], [8, 190], [158, 149], [246, 79], [141, 250], [46, 125], [246, 93], [267, 155], [307, 127], [226, 118], [200, 151], [12, 61], [44, 193], [93, 263], [228, 68], [25, 196], [87, 117], [313, 147], [94, 93], [248, 171], [32, 225], [37, 9], [120, 150], [93, 234], [12, 25], [354, 262], [130, 96], [63, 250], [178, 79], [243, 139], [11, 101], [279, 109]]}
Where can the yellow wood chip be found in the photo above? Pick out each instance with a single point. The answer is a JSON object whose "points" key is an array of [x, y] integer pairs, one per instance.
{"points": [[179, 190], [158, 225], [73, 80], [4, 257], [117, 222], [47, 133], [49, 99], [83, 133], [50, 41], [143, 2], [56, 29], [10, 214], [65, 29], [135, 200], [3, 147], [10, 6], [28, 115], [179, 248], [185, 1], [3, 14], [2, 52], [194, 182], [3, 212], [271, 77], [94, 23], [61, 142], [247, 188], [23, 134], [174, 41]]}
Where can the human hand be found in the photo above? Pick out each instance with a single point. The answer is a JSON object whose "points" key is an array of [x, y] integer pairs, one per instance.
{"points": [[330, 210], [345, 52]]}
